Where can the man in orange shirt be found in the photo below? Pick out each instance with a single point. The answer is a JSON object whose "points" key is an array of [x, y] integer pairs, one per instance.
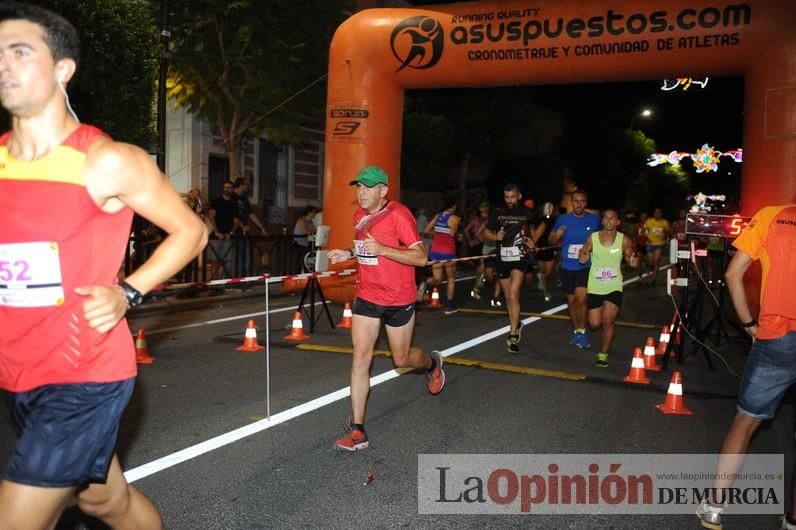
{"points": [[771, 367]]}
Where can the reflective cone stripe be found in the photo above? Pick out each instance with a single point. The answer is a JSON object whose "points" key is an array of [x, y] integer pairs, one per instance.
{"points": [[435, 301], [250, 339], [141, 350], [674, 403], [637, 373], [347, 317], [297, 331], [649, 356], [663, 341]]}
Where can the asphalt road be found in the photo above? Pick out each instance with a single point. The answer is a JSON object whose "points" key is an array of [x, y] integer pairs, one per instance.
{"points": [[284, 472]]}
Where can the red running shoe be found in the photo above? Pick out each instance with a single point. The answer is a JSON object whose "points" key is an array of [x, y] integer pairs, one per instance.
{"points": [[435, 379], [353, 441]]}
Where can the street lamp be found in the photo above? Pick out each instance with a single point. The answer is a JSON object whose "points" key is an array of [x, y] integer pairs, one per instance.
{"points": [[644, 113]]}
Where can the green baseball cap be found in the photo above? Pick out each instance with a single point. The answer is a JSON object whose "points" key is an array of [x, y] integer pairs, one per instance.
{"points": [[370, 176]]}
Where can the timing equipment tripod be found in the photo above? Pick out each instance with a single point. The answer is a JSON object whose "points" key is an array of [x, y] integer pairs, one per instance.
{"points": [[313, 286], [690, 312]]}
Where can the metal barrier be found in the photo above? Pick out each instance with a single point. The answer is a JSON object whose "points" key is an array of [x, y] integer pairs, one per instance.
{"points": [[227, 258]]}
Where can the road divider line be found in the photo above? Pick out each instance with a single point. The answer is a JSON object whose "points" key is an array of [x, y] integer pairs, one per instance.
{"points": [[460, 361]]}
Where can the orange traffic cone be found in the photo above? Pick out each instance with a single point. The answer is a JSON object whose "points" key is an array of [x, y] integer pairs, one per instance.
{"points": [[649, 356], [674, 398], [141, 350], [347, 317], [663, 341], [435, 302], [637, 374], [297, 331], [250, 339]]}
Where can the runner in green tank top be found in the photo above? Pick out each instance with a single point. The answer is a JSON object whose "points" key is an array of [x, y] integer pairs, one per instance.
{"points": [[606, 249]]}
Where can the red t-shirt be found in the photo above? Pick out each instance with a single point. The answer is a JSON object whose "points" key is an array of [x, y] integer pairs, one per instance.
{"points": [[54, 238], [381, 280], [771, 237]]}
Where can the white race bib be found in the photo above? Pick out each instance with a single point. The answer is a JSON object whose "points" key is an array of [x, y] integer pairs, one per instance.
{"points": [[605, 274], [510, 254], [573, 251], [363, 258], [30, 275]]}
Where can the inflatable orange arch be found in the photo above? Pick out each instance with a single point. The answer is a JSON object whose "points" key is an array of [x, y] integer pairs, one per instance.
{"points": [[377, 54]]}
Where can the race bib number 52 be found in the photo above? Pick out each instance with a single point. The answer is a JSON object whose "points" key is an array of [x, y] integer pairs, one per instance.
{"points": [[30, 275]]}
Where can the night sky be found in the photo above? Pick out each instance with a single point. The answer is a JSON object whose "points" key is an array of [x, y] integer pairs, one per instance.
{"points": [[680, 120]]}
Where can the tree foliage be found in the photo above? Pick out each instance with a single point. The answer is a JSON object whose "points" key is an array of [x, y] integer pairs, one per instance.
{"points": [[235, 62], [114, 88], [472, 126]]}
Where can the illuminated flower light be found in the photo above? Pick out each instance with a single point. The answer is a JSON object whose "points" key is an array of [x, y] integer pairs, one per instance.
{"points": [[705, 159]]}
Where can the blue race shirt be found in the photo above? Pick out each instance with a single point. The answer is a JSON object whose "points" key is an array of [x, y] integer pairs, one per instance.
{"points": [[579, 229]]}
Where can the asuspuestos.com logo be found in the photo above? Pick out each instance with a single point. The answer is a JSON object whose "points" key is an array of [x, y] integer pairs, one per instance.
{"points": [[611, 22]]}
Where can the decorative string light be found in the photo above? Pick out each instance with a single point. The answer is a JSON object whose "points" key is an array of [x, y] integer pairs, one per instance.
{"points": [[705, 159], [683, 83], [701, 202]]}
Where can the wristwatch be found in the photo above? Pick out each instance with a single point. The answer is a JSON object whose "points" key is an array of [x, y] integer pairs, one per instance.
{"points": [[133, 295], [749, 324]]}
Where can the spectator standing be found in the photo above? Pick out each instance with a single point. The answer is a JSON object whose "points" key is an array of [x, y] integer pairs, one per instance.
{"points": [[303, 227], [247, 219], [224, 218], [771, 367], [422, 222]]}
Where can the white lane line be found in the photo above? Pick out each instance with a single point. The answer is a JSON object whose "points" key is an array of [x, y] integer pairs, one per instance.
{"points": [[145, 470]]}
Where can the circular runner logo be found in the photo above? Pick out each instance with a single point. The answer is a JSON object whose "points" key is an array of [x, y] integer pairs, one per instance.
{"points": [[417, 42]]}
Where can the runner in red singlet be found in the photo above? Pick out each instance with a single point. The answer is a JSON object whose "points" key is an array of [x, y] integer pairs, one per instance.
{"points": [[67, 362], [387, 248]]}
